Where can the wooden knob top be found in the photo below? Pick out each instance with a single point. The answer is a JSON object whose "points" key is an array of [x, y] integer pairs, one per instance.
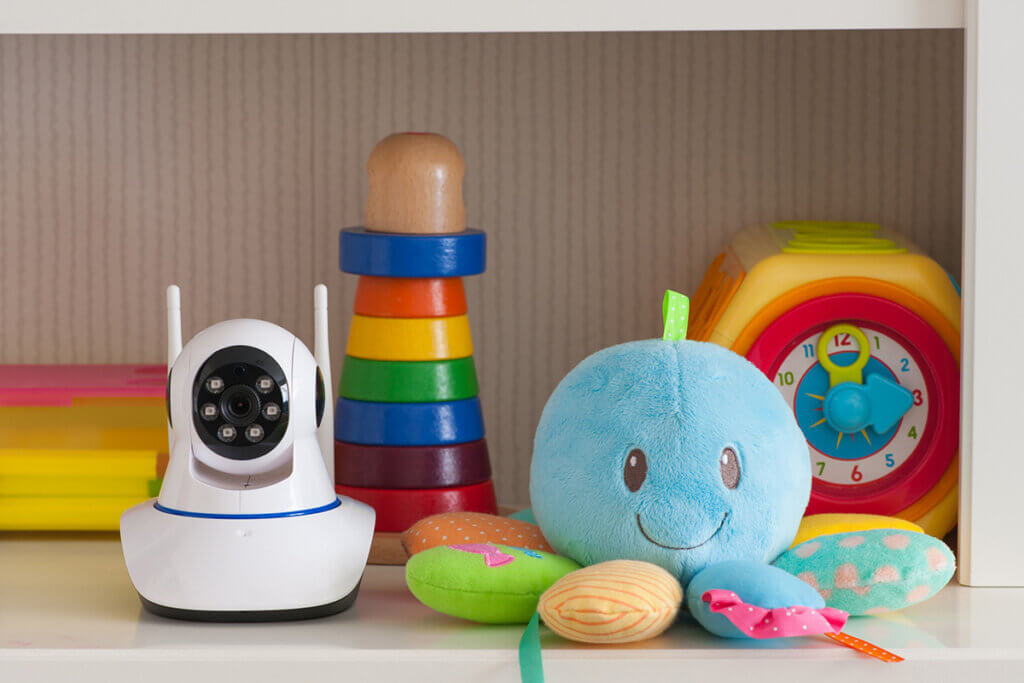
{"points": [[415, 185]]}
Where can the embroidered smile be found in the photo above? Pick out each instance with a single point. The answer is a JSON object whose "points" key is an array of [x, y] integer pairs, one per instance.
{"points": [[680, 547]]}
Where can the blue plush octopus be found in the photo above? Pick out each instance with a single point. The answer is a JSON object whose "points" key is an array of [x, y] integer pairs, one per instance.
{"points": [[684, 455]]}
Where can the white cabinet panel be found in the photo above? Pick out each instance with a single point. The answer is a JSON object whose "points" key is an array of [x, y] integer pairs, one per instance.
{"points": [[992, 469]]}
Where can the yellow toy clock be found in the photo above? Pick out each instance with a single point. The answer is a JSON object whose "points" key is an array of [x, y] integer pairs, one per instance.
{"points": [[861, 333]]}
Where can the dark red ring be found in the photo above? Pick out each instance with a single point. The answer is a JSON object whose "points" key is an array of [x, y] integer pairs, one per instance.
{"points": [[411, 467]]}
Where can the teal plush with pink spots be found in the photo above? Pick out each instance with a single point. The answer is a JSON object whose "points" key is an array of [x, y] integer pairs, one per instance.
{"points": [[871, 572]]}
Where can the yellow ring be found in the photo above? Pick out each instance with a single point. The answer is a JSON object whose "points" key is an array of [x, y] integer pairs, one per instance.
{"points": [[848, 373], [409, 338]]}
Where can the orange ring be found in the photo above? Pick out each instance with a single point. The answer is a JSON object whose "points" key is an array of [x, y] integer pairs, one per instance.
{"points": [[410, 297]]}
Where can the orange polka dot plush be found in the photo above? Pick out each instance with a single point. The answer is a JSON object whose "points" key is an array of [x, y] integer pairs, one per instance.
{"points": [[472, 527]]}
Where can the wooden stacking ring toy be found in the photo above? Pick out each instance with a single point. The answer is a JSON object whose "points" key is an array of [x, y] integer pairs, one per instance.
{"points": [[410, 297], [388, 381], [408, 424], [399, 509], [409, 432], [411, 467]]}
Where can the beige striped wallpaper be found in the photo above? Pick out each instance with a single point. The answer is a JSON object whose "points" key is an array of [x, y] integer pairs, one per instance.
{"points": [[605, 167]]}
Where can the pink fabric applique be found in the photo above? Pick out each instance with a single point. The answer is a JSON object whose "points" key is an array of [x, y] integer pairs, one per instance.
{"points": [[493, 557], [781, 622]]}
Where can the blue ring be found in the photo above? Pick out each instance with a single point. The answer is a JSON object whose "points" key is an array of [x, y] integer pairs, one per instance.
{"points": [[263, 515], [408, 424], [388, 254]]}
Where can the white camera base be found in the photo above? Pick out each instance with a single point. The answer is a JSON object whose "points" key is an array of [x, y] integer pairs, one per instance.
{"points": [[247, 526], [250, 568]]}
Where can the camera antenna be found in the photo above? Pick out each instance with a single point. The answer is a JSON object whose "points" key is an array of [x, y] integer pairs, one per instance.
{"points": [[173, 347], [322, 354], [173, 325]]}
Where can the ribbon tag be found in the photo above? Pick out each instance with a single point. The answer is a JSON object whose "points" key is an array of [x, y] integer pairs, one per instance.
{"points": [[675, 311], [864, 646], [531, 666]]}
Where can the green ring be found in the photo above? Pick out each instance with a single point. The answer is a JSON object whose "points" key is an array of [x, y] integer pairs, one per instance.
{"points": [[392, 381]]}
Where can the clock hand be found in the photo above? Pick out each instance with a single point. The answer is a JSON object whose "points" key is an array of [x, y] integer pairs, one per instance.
{"points": [[889, 402], [879, 403]]}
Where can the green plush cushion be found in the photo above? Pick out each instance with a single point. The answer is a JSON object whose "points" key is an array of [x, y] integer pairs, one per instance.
{"points": [[871, 572], [460, 582]]}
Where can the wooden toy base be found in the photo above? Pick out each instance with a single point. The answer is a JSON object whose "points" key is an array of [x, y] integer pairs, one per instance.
{"points": [[387, 549]]}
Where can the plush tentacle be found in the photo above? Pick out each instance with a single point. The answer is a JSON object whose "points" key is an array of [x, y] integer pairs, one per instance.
{"points": [[782, 603]]}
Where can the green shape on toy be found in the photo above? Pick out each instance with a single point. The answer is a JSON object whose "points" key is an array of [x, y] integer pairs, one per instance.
{"points": [[872, 571], [390, 381], [675, 309], [478, 581]]}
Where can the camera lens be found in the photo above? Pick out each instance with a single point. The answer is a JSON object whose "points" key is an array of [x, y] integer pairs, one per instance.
{"points": [[240, 404]]}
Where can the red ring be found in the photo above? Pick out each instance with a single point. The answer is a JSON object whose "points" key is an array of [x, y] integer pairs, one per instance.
{"points": [[936, 448], [411, 467], [399, 509]]}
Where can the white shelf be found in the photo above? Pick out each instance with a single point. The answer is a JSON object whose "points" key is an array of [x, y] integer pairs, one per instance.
{"points": [[469, 16], [68, 612]]}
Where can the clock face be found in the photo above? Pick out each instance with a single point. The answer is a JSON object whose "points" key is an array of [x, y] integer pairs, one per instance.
{"points": [[875, 391], [859, 457]]}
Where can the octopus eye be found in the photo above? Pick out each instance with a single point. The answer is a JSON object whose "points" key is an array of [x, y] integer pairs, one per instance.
{"points": [[729, 464], [635, 471]]}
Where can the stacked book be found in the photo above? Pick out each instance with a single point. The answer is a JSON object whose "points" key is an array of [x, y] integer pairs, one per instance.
{"points": [[79, 444]]}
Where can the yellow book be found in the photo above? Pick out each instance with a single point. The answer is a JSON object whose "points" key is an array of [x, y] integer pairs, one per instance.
{"points": [[88, 424], [77, 486], [64, 514], [42, 462]]}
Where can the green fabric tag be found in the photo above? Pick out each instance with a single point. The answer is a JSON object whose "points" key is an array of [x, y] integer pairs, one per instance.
{"points": [[675, 310], [531, 665]]}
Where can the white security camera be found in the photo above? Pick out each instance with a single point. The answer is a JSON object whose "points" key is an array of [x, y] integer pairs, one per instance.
{"points": [[247, 525]]}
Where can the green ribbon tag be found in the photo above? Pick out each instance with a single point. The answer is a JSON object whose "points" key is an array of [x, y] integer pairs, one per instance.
{"points": [[676, 312], [531, 666]]}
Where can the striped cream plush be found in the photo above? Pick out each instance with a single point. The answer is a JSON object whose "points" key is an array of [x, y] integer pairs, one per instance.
{"points": [[620, 601]]}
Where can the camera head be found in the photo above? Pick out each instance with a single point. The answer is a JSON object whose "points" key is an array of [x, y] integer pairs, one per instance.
{"points": [[243, 392]]}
